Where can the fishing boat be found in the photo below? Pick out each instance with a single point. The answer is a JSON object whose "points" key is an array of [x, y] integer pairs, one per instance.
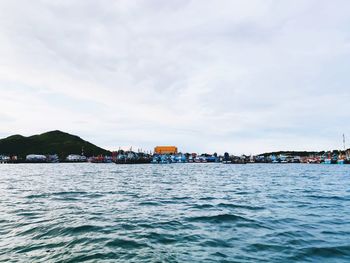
{"points": [[76, 158], [100, 159], [347, 158], [200, 159], [296, 159], [313, 160], [161, 159], [328, 161], [4, 159], [341, 158], [341, 161], [282, 158], [36, 158]]}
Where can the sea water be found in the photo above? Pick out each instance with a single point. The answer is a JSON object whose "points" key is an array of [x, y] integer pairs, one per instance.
{"points": [[174, 213]]}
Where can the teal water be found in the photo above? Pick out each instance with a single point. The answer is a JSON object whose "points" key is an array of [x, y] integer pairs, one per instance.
{"points": [[174, 213]]}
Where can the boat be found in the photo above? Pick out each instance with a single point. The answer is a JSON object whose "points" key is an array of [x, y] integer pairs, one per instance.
{"points": [[327, 161], [53, 158], [4, 159], [282, 158], [347, 158], [200, 159], [76, 158], [36, 158], [296, 159], [313, 160], [100, 159], [161, 159], [341, 158], [341, 161]]}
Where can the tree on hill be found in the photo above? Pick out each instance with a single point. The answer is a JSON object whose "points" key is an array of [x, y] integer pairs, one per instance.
{"points": [[53, 142]]}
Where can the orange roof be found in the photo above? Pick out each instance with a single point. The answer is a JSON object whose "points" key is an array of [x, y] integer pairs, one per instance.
{"points": [[165, 149]]}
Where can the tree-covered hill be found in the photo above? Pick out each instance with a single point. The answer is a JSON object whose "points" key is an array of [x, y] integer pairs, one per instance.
{"points": [[54, 142]]}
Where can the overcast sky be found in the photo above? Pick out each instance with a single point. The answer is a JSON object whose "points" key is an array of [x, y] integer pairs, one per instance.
{"points": [[237, 75]]}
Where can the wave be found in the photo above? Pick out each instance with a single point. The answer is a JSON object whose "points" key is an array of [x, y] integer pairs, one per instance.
{"points": [[95, 257], [202, 206], [48, 231], [226, 205], [126, 243], [150, 203], [133, 217], [161, 238], [221, 218], [329, 197], [219, 254], [323, 252], [59, 194], [215, 243]]}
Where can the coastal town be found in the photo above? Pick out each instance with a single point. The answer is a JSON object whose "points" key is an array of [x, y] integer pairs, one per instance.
{"points": [[60, 147], [170, 154]]}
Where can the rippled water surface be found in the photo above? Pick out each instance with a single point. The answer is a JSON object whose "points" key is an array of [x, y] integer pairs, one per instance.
{"points": [[174, 213]]}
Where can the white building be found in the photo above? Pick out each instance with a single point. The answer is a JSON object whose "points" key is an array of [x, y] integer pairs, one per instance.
{"points": [[76, 158], [36, 158]]}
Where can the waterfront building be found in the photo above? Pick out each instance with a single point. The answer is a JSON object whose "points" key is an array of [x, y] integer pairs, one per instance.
{"points": [[165, 150]]}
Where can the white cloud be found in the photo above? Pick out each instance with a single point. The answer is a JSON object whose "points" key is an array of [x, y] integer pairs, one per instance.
{"points": [[232, 76]]}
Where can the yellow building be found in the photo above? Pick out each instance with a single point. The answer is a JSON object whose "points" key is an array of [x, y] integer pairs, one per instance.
{"points": [[165, 150]]}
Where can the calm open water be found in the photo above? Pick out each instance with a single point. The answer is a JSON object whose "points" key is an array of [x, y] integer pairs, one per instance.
{"points": [[174, 213]]}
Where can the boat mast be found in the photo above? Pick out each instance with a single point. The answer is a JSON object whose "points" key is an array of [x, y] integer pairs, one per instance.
{"points": [[344, 142]]}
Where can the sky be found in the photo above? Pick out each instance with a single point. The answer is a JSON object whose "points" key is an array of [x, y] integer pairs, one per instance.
{"points": [[207, 76]]}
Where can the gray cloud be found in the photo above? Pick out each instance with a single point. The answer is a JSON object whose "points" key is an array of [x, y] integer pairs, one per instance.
{"points": [[235, 75]]}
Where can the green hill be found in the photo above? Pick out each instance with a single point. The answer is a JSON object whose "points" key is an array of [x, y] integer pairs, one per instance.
{"points": [[54, 142]]}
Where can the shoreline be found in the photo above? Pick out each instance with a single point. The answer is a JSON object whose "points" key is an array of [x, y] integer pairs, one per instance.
{"points": [[199, 163]]}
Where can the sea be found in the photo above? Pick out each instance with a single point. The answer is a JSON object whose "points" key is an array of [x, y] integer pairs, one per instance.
{"points": [[174, 213]]}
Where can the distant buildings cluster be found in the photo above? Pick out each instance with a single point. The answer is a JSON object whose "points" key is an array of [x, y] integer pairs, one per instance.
{"points": [[335, 157], [170, 154]]}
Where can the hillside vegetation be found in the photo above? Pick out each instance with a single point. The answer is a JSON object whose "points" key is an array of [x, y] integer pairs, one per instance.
{"points": [[54, 142]]}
